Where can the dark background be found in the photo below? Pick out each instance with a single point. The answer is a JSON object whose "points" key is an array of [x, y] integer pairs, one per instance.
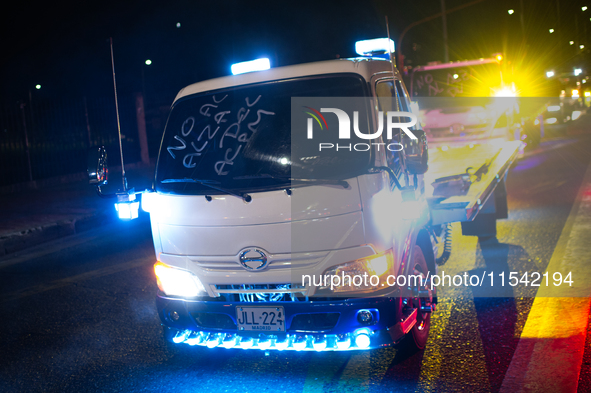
{"points": [[63, 46]]}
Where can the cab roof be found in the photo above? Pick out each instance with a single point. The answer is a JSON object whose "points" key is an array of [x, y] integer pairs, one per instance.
{"points": [[366, 67]]}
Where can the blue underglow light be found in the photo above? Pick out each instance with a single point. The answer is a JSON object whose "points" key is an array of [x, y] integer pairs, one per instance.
{"points": [[281, 345], [344, 344], [360, 339], [250, 66], [181, 336], [229, 344], [246, 343], [214, 340], [265, 344], [320, 345], [300, 344]]}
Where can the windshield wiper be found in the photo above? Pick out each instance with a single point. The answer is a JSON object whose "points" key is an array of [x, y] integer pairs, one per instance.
{"points": [[210, 184], [336, 182]]}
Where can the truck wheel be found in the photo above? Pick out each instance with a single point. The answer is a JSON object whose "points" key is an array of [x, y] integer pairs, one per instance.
{"points": [[416, 339]]}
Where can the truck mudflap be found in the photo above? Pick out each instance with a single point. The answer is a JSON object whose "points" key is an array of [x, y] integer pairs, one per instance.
{"points": [[461, 180], [359, 324]]}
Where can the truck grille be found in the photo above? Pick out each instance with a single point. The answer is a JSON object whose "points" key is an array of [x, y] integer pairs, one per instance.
{"points": [[262, 292]]}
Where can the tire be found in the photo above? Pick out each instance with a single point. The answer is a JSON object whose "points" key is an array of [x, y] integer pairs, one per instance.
{"points": [[416, 339]]}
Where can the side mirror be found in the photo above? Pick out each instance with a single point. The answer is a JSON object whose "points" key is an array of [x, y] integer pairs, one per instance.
{"points": [[98, 170], [416, 153]]}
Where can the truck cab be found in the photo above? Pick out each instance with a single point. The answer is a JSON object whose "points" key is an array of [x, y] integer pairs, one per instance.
{"points": [[266, 237]]}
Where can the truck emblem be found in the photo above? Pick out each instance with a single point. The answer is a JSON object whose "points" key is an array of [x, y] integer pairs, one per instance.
{"points": [[253, 259]]}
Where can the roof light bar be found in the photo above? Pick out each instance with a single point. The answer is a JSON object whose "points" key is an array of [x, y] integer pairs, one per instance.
{"points": [[372, 47], [251, 66]]}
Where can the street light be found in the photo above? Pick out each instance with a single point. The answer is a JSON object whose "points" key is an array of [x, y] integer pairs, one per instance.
{"points": [[549, 74], [148, 62], [178, 25], [581, 46], [511, 12], [37, 87], [578, 71], [571, 42], [584, 8], [551, 31]]}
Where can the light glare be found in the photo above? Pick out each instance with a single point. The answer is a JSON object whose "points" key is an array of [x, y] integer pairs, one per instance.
{"points": [[379, 265], [362, 341], [511, 12], [127, 210], [412, 210], [177, 282]]}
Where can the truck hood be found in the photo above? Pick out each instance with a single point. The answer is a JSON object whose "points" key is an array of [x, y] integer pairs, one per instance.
{"points": [[312, 218]]}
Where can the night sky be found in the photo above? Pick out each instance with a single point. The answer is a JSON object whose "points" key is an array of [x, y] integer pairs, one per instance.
{"points": [[64, 46]]}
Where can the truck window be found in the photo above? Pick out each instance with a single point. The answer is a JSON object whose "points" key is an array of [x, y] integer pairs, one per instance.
{"points": [[241, 139]]}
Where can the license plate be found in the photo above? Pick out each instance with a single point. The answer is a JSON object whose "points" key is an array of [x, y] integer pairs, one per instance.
{"points": [[263, 319]]}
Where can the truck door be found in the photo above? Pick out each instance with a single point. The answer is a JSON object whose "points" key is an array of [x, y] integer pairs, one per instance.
{"points": [[389, 100]]}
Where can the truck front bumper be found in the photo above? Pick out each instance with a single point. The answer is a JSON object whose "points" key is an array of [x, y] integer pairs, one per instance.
{"points": [[348, 324]]}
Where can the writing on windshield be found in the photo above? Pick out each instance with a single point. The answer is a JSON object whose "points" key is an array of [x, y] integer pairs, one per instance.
{"points": [[216, 118]]}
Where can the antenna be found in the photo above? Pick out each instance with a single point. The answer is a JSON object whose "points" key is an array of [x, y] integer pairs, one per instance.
{"points": [[389, 51], [123, 178]]}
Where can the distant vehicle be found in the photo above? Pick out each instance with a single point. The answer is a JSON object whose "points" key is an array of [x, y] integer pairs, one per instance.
{"points": [[566, 97]]}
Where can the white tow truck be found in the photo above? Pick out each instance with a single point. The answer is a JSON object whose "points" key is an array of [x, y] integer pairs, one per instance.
{"points": [[255, 217]]}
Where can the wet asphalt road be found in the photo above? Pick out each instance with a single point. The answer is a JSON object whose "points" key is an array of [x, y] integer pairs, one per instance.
{"points": [[78, 314]]}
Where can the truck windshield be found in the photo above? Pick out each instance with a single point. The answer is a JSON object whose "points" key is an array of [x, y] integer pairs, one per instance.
{"points": [[240, 139]]}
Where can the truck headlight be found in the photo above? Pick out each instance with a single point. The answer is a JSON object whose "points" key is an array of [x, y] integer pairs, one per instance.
{"points": [[177, 282], [363, 275]]}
